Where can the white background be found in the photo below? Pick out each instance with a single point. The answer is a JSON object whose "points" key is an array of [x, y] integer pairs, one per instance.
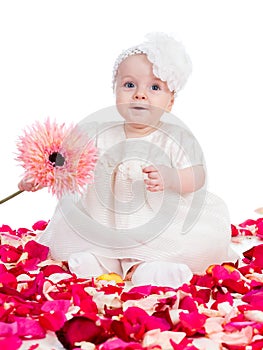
{"points": [[56, 60]]}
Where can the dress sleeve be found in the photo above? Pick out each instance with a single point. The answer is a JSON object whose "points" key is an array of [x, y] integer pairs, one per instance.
{"points": [[185, 150]]}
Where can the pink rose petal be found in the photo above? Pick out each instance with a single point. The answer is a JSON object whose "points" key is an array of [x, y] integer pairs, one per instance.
{"points": [[7, 329], [116, 343], [29, 328], [56, 305], [10, 343], [156, 337]]}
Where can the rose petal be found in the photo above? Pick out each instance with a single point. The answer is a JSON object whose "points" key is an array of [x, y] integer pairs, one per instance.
{"points": [[7, 279], [9, 254], [56, 305], [53, 320], [36, 250], [192, 322], [204, 344], [156, 337], [117, 344], [234, 231], [29, 328], [6, 229], [10, 343], [40, 225], [188, 304], [8, 329], [80, 329]]}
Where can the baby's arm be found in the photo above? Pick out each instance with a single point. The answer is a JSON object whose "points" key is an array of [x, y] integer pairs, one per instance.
{"points": [[182, 181]]}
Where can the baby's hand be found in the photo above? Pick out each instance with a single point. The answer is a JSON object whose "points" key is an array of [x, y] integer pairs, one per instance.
{"points": [[158, 177], [28, 184]]}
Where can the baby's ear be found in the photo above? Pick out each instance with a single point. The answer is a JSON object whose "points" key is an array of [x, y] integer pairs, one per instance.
{"points": [[171, 103]]}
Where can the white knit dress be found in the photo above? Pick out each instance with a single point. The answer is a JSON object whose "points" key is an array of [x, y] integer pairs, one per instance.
{"points": [[117, 219]]}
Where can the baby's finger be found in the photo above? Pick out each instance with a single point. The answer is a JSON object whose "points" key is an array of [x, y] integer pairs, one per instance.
{"points": [[149, 169], [152, 182], [25, 186], [157, 188], [153, 175]]}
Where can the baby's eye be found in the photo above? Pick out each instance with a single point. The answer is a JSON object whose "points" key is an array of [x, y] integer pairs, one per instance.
{"points": [[129, 85], [155, 87]]}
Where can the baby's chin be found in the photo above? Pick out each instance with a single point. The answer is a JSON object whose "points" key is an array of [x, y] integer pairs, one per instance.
{"points": [[134, 129], [142, 119]]}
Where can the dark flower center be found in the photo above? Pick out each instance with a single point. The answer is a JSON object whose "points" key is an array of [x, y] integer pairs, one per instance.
{"points": [[56, 159]]}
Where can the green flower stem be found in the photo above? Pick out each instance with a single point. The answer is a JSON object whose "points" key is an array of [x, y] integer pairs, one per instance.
{"points": [[10, 197]]}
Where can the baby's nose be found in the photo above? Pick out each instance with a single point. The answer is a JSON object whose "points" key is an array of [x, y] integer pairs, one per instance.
{"points": [[140, 95]]}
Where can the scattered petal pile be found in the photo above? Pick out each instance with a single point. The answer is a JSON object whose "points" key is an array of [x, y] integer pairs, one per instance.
{"points": [[40, 299], [249, 228]]}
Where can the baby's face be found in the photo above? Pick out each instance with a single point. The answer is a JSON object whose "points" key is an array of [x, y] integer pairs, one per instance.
{"points": [[140, 96]]}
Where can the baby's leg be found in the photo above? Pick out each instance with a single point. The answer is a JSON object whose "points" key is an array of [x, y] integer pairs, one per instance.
{"points": [[85, 265], [161, 273]]}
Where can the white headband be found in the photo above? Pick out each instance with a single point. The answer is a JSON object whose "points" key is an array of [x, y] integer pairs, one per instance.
{"points": [[170, 61]]}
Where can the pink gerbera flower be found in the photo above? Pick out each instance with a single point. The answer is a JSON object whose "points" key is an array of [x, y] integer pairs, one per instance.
{"points": [[59, 158]]}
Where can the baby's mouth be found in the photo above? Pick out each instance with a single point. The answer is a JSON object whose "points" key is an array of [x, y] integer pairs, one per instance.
{"points": [[139, 108]]}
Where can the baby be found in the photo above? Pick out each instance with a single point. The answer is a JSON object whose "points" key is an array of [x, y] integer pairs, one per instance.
{"points": [[147, 216]]}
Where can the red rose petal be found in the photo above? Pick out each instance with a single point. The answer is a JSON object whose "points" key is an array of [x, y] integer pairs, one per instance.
{"points": [[53, 320], [220, 297], [10, 254], [236, 286], [80, 329], [258, 255], [234, 231], [40, 225], [36, 250], [21, 231], [259, 224], [9, 280], [192, 322], [50, 269], [187, 303], [6, 229], [203, 281], [185, 344], [84, 301], [248, 222]]}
